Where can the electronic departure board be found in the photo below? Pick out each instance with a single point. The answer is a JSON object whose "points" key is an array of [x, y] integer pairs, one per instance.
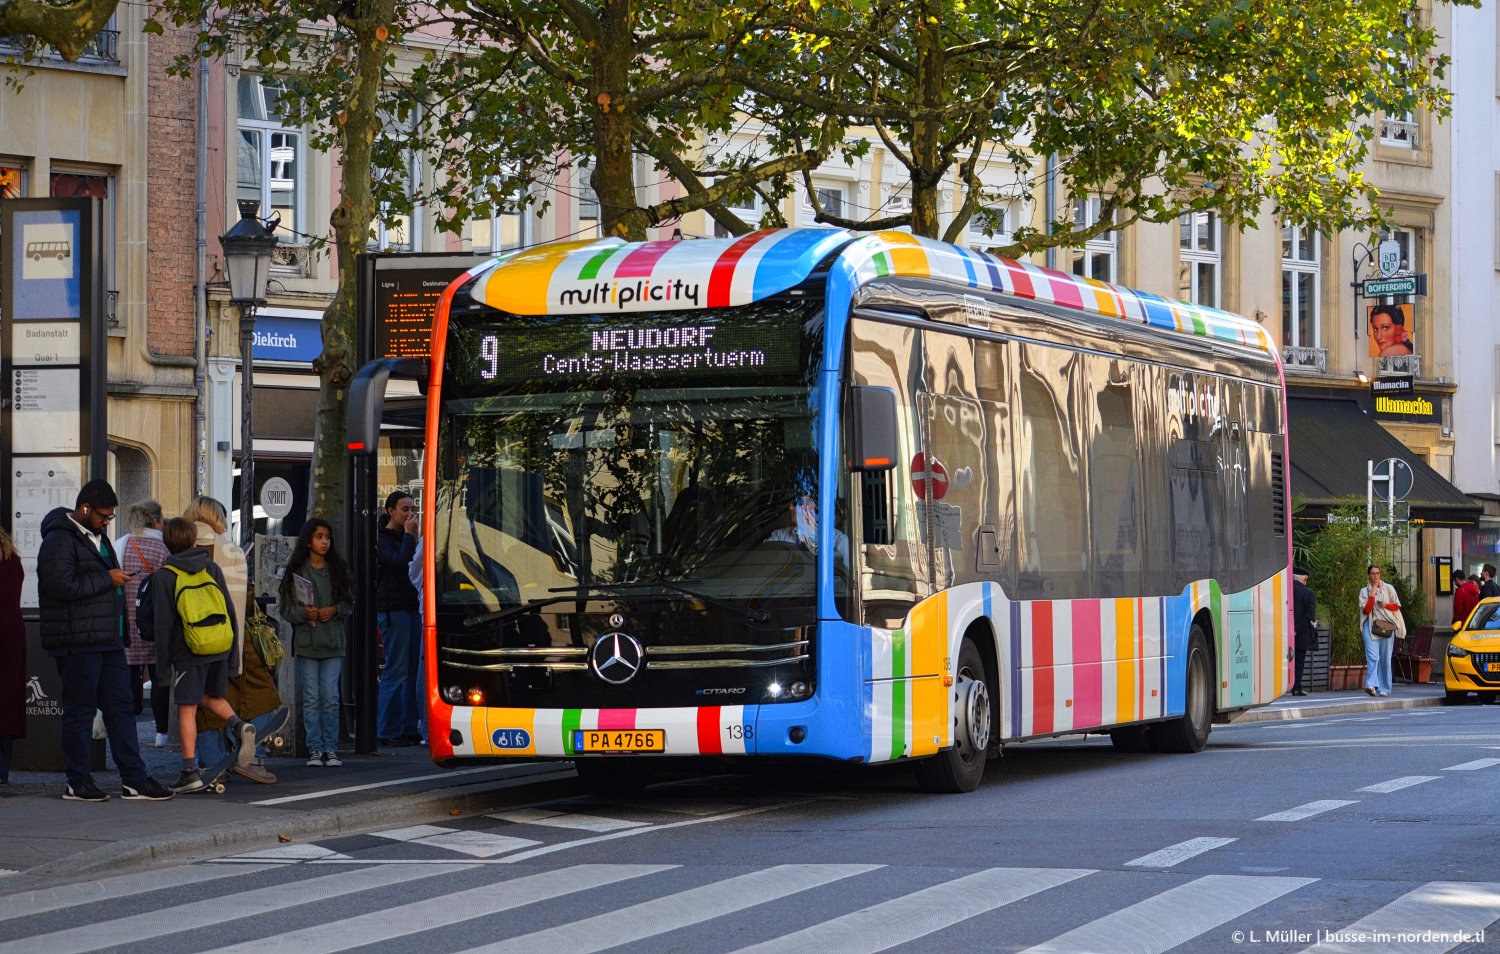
{"points": [[403, 293]]}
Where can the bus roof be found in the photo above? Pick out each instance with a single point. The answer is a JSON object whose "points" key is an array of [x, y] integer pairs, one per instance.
{"points": [[613, 275]]}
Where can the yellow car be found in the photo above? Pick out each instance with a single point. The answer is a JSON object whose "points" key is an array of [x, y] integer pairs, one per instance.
{"points": [[1473, 660]]}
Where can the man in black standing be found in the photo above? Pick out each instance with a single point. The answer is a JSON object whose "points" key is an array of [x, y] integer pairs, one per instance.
{"points": [[1304, 625], [1489, 587], [80, 589]]}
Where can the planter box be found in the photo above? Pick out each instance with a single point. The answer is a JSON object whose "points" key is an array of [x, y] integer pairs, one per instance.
{"points": [[1346, 677]]}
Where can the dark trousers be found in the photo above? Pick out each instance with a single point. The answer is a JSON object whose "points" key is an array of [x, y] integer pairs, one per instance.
{"points": [[98, 680], [1301, 669], [161, 694]]}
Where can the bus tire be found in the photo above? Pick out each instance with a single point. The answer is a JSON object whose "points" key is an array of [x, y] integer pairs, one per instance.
{"points": [[613, 775], [960, 767], [1189, 733]]}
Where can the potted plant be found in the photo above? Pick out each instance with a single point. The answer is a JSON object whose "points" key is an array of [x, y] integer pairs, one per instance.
{"points": [[1337, 556]]}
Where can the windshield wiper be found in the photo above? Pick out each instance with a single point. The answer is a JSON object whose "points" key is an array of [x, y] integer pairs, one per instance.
{"points": [[500, 614], [749, 615]]}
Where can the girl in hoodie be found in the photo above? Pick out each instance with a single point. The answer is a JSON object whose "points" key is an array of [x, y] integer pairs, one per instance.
{"points": [[317, 614]]}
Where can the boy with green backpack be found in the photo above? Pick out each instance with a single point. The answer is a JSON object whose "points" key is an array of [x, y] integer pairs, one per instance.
{"points": [[195, 631]]}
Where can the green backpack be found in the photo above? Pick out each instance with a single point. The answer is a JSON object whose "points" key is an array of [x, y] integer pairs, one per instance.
{"points": [[204, 615]]}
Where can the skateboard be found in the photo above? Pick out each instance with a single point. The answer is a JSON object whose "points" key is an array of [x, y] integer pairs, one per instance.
{"points": [[215, 775]]}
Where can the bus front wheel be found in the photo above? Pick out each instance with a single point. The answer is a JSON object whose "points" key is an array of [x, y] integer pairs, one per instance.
{"points": [[1190, 732], [960, 767]]}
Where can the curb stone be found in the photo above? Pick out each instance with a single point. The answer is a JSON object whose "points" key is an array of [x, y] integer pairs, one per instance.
{"points": [[1280, 714]]}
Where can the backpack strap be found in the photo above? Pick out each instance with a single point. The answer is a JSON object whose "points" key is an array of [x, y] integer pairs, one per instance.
{"points": [[138, 553]]}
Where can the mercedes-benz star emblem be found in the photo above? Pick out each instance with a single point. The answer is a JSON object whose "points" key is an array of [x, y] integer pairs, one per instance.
{"points": [[617, 620], [616, 658]]}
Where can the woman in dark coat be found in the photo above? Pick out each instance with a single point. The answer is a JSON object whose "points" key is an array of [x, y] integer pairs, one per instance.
{"points": [[13, 671]]}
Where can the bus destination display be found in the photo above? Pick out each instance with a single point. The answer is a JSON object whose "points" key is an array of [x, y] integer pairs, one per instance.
{"points": [[575, 351]]}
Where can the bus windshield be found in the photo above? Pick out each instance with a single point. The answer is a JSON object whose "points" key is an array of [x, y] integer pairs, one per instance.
{"points": [[617, 457]]}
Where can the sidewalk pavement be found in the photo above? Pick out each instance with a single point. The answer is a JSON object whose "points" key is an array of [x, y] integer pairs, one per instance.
{"points": [[45, 839]]}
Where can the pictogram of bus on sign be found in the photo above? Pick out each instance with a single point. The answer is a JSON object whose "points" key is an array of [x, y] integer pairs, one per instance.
{"points": [[37, 251]]}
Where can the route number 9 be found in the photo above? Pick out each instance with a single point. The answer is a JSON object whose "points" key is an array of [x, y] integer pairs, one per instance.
{"points": [[489, 350]]}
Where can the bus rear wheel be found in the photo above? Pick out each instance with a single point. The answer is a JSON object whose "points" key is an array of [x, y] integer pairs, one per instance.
{"points": [[1190, 732], [960, 767]]}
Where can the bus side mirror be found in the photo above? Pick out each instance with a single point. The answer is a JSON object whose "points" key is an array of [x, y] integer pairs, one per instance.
{"points": [[367, 398], [872, 429]]}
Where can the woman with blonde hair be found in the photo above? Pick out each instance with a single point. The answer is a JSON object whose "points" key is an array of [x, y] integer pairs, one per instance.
{"points": [[212, 520], [13, 670]]}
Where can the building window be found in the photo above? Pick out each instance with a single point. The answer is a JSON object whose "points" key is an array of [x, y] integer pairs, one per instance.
{"points": [[1301, 268], [12, 182], [396, 224], [92, 185], [269, 164], [504, 230], [747, 209], [1099, 254], [832, 198], [588, 203], [1199, 255]]}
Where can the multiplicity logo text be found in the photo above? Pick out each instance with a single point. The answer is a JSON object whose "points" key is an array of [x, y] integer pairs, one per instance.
{"points": [[623, 294]]}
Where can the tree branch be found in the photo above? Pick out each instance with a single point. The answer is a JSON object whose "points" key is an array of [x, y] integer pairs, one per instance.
{"points": [[68, 27]]}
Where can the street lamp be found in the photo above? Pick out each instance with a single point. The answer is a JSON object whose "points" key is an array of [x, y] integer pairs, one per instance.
{"points": [[247, 259]]}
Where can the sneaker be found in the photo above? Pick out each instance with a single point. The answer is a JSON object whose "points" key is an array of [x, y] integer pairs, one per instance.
{"points": [[315, 757], [84, 791], [148, 789], [162, 740], [331, 759], [188, 782], [256, 772], [1369, 690], [246, 753]]}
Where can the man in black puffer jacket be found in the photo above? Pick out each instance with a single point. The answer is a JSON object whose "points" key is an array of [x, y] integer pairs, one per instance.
{"points": [[80, 589]]}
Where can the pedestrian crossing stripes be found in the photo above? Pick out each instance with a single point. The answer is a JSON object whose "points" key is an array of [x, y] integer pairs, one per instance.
{"points": [[1306, 811], [1396, 784], [587, 908], [1178, 853]]}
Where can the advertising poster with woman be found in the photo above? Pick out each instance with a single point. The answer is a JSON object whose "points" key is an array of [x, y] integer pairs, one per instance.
{"points": [[1391, 329]]}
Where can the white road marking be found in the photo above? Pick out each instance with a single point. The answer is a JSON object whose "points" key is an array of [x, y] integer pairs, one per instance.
{"points": [[305, 851], [1472, 766], [1433, 918], [611, 836], [900, 920], [108, 889], [674, 911], [411, 832], [213, 912], [478, 844], [1397, 784], [450, 909], [1166, 920], [327, 792], [553, 819], [1180, 852], [1308, 810]]}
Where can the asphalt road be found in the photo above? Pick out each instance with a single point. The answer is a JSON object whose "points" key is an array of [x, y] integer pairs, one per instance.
{"points": [[1379, 829]]}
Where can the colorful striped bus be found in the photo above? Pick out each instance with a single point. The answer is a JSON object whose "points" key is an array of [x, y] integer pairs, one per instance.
{"points": [[858, 497]]}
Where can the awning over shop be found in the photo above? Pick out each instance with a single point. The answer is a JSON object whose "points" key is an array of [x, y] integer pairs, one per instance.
{"points": [[1331, 439]]}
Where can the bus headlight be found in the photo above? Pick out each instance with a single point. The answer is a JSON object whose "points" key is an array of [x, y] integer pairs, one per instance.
{"points": [[476, 696], [453, 695], [799, 690]]}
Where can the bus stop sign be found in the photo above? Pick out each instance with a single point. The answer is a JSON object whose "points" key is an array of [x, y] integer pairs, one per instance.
{"points": [[929, 478], [1398, 475]]}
